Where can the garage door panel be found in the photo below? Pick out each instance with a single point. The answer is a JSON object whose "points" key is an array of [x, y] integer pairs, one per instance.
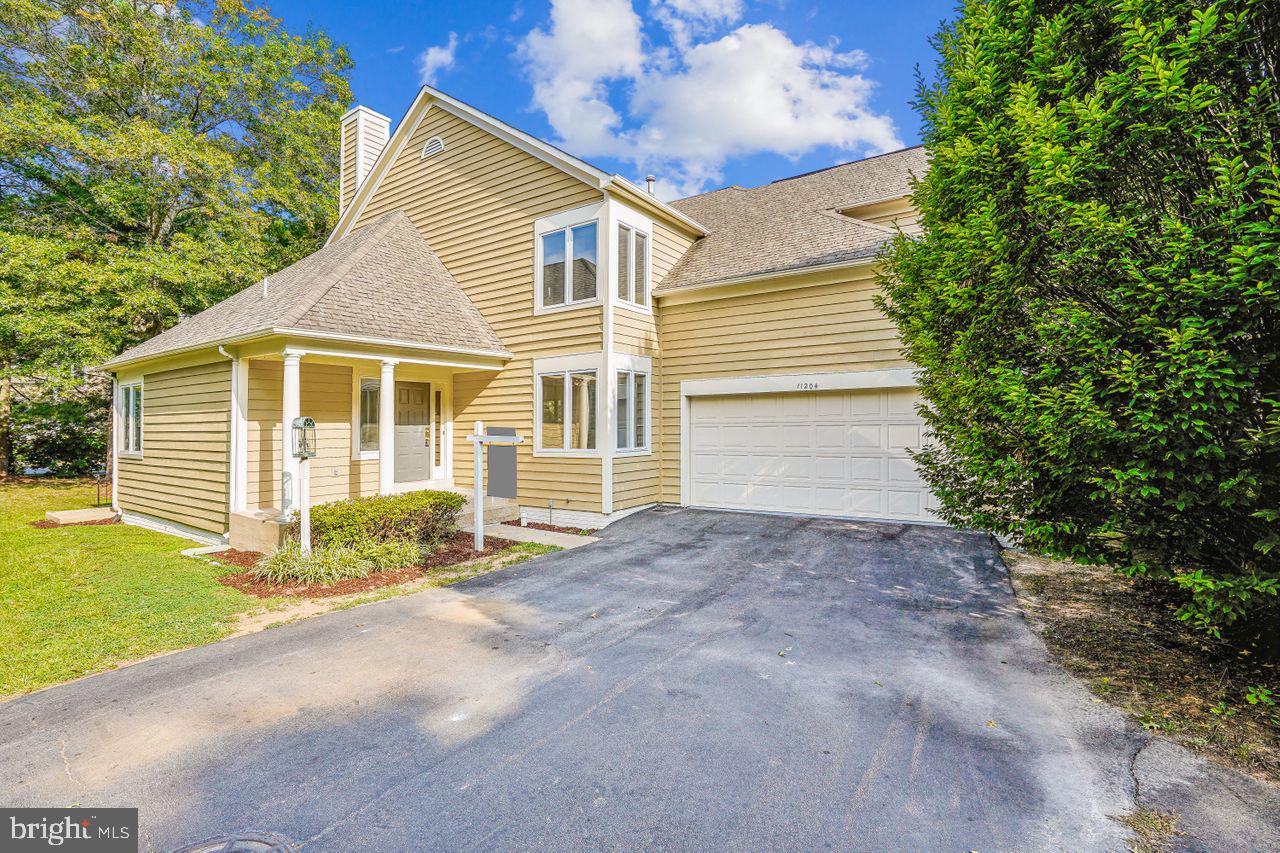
{"points": [[901, 402], [865, 436], [903, 436], [843, 454]]}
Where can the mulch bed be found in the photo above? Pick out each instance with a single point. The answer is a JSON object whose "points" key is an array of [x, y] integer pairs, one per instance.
{"points": [[46, 524], [1123, 638], [576, 531], [234, 557], [455, 549]]}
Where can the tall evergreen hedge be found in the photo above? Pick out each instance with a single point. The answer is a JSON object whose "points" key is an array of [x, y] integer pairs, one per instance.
{"points": [[1095, 302]]}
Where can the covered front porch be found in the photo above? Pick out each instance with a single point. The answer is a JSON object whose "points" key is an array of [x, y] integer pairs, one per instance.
{"points": [[343, 389]]}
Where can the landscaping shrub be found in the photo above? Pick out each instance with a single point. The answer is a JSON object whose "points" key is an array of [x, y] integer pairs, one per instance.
{"points": [[1094, 302], [425, 518], [328, 564]]}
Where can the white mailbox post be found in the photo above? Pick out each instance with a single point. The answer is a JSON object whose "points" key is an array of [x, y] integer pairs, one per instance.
{"points": [[478, 442], [304, 448]]}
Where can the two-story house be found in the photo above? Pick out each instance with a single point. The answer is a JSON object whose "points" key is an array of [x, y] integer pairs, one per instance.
{"points": [[719, 351]]}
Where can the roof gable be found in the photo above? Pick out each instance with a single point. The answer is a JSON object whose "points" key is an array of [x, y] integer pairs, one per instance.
{"points": [[429, 98]]}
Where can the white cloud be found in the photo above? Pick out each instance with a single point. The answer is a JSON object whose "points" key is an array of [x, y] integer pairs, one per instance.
{"points": [[589, 44], [683, 110], [436, 59], [686, 19]]}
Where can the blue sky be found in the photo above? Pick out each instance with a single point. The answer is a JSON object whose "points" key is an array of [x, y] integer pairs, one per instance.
{"points": [[702, 93]]}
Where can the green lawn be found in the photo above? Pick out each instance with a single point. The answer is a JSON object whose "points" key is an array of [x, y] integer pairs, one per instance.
{"points": [[77, 600]]}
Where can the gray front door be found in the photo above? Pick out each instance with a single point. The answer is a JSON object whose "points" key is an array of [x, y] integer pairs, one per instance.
{"points": [[413, 428]]}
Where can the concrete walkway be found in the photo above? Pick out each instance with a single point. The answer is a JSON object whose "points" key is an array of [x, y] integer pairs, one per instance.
{"points": [[533, 534]]}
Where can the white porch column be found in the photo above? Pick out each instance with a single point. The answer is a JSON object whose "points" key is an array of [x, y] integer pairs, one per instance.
{"points": [[290, 407], [387, 428]]}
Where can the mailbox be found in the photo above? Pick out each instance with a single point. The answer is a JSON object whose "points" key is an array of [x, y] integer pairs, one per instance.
{"points": [[304, 438]]}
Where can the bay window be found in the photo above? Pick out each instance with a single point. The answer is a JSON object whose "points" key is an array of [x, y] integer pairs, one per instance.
{"points": [[567, 410], [633, 265], [633, 410], [130, 439], [568, 268]]}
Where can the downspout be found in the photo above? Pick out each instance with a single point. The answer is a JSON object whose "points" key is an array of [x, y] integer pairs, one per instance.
{"points": [[115, 444]]}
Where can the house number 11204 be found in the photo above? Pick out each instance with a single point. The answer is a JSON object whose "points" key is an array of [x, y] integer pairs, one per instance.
{"points": [[806, 386]]}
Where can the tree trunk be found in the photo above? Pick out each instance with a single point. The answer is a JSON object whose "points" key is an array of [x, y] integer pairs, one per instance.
{"points": [[6, 420]]}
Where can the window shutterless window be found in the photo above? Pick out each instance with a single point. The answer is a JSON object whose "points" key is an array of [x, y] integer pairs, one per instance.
{"points": [[567, 410], [569, 265], [633, 265], [130, 440], [369, 415], [633, 410]]}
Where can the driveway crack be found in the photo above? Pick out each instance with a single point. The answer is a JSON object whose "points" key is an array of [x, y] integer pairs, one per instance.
{"points": [[62, 753]]}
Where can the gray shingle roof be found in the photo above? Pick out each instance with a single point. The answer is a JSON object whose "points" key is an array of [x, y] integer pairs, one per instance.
{"points": [[382, 281], [792, 223]]}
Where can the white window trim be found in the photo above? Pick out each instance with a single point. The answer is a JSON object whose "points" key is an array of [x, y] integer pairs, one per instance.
{"points": [[566, 365], [357, 380], [644, 447], [635, 227], [566, 221], [125, 425]]}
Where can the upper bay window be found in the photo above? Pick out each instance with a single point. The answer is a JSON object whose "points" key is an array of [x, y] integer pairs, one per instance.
{"points": [[633, 265], [569, 265]]}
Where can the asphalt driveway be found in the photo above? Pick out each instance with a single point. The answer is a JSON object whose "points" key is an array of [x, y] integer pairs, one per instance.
{"points": [[696, 680]]}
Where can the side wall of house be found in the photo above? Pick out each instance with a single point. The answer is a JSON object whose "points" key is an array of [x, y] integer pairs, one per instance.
{"points": [[325, 395], [182, 475], [833, 327], [637, 479], [476, 203]]}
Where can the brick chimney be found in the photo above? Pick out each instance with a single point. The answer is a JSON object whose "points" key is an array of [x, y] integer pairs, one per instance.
{"points": [[364, 134]]}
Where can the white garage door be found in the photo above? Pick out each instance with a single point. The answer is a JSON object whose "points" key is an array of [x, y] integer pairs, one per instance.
{"points": [[836, 453]]}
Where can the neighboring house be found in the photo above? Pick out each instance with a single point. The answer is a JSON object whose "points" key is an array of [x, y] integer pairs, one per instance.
{"points": [[719, 351]]}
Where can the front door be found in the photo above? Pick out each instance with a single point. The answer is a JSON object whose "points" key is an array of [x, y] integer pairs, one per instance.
{"points": [[413, 432]]}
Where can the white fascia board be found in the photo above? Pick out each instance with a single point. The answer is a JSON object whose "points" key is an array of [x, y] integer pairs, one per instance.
{"points": [[390, 342], [784, 383], [634, 363], [624, 187], [577, 361]]}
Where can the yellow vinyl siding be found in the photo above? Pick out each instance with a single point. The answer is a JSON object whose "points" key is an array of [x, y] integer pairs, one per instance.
{"points": [[186, 428], [325, 395], [634, 332], [476, 204], [572, 482], [348, 182], [822, 328], [668, 247]]}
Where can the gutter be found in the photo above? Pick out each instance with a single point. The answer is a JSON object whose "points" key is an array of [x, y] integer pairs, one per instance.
{"points": [[762, 276]]}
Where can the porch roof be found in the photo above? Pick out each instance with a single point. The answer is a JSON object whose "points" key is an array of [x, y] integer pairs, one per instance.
{"points": [[381, 282]]}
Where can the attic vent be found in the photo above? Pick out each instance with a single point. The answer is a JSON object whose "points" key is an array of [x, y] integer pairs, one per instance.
{"points": [[433, 147]]}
